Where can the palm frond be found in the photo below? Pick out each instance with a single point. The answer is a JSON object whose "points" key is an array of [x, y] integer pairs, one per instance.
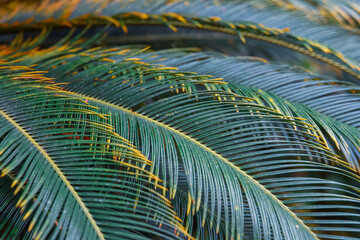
{"points": [[335, 98], [217, 138], [343, 12], [295, 85], [10, 215], [240, 19], [83, 176], [235, 11], [125, 142], [252, 72]]}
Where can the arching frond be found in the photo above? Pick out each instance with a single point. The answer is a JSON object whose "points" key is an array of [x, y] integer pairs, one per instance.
{"points": [[218, 142], [343, 12], [124, 142], [240, 19], [71, 169], [334, 98], [295, 85], [184, 124]]}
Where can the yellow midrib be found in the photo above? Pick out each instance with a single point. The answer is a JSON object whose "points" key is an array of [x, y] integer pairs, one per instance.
{"points": [[58, 171], [178, 132]]}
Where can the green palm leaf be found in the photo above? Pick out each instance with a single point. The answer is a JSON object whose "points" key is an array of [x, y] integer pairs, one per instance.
{"points": [[121, 14], [315, 91], [123, 142], [344, 13], [78, 171], [334, 98], [10, 215], [181, 129]]}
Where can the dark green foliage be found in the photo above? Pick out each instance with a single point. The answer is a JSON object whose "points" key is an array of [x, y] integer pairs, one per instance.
{"points": [[103, 140]]}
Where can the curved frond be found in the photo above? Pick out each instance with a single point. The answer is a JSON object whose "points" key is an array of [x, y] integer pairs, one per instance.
{"points": [[82, 175], [234, 11], [334, 98], [217, 141], [343, 12], [208, 17], [123, 142]]}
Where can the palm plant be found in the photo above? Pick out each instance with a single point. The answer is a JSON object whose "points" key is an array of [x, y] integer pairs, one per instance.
{"points": [[155, 119]]}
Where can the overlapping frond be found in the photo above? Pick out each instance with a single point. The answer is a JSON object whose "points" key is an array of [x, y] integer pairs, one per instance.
{"points": [[240, 19], [334, 37], [71, 169], [179, 121], [336, 99], [252, 151], [227, 144], [343, 12]]}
